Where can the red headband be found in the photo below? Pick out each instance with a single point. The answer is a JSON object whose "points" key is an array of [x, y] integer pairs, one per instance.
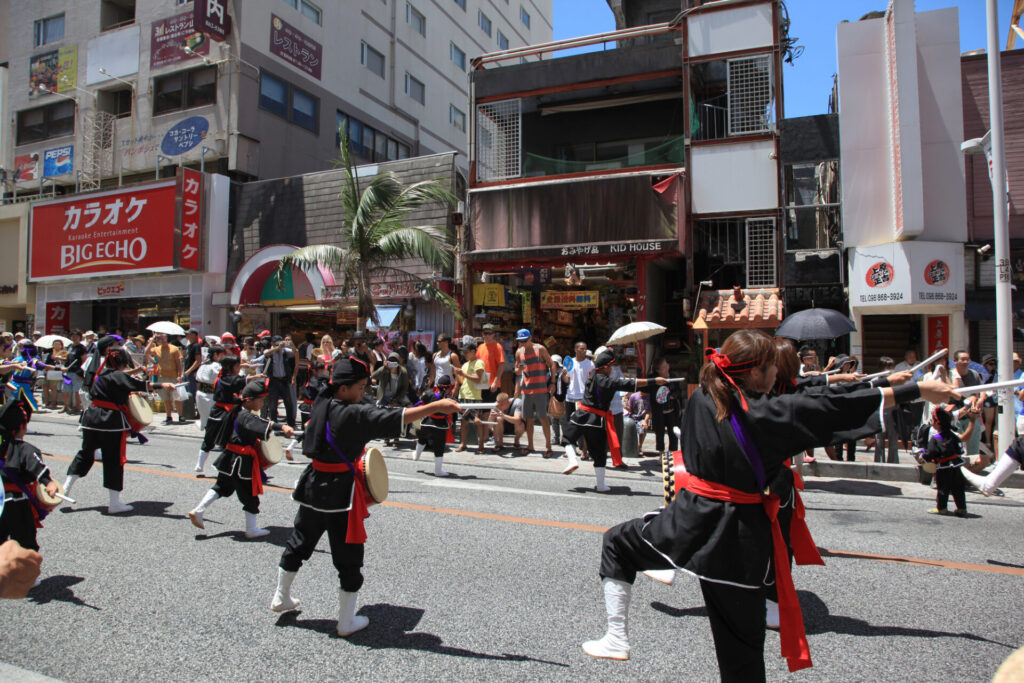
{"points": [[730, 368]]}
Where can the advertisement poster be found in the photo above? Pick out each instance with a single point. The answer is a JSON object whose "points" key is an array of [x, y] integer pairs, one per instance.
{"points": [[185, 135], [58, 161], [42, 74], [26, 167], [295, 47], [67, 68], [58, 317], [556, 298], [171, 36]]}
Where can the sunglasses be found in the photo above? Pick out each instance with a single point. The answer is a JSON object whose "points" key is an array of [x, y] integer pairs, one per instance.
{"points": [[488, 332]]}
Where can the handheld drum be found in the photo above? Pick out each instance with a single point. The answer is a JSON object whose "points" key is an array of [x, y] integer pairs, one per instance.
{"points": [[45, 499], [374, 473], [139, 409], [671, 465], [270, 451]]}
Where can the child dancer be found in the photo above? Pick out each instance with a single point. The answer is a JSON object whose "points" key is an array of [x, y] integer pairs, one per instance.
{"points": [[238, 467], [21, 468], [330, 498], [227, 391], [435, 429], [944, 448], [319, 378]]}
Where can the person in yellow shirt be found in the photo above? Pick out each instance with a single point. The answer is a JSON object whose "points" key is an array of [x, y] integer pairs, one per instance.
{"points": [[473, 380]]}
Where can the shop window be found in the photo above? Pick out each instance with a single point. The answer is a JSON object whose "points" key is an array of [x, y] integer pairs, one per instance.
{"points": [[185, 90], [415, 18], [42, 123], [732, 97], [116, 102], [371, 59], [116, 13], [289, 102], [49, 30], [458, 56], [415, 89]]}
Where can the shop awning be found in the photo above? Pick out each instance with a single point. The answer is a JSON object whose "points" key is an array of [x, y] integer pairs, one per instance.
{"points": [[255, 284], [737, 308], [386, 315]]}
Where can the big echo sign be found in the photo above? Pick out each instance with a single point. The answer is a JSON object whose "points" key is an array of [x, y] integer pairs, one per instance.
{"points": [[128, 230]]}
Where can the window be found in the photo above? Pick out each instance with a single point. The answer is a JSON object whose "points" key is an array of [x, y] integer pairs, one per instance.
{"points": [[740, 250], [457, 117], [184, 90], [458, 56], [524, 17], [368, 143], [415, 89], [310, 11], [371, 59], [116, 102], [462, 4], [49, 30], [290, 103], [182, 2], [43, 123], [116, 13], [502, 41], [340, 126], [485, 23], [732, 97], [415, 19]]}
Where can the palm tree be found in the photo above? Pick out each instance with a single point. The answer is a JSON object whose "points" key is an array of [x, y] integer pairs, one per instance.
{"points": [[376, 238]]}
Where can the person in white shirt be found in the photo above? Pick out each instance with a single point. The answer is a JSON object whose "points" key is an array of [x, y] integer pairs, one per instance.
{"points": [[579, 368]]}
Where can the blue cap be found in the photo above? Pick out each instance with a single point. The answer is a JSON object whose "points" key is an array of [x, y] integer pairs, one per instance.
{"points": [[522, 334]]}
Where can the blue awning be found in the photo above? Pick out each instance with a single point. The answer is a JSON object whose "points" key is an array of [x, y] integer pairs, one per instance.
{"points": [[387, 316]]}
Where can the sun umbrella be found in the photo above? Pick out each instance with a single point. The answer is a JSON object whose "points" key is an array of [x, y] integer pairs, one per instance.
{"points": [[46, 341], [166, 327], [634, 332], [212, 339], [815, 323]]}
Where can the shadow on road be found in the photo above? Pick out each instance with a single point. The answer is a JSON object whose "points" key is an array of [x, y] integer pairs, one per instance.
{"points": [[58, 588], [143, 508], [854, 488], [278, 535], [1005, 564], [391, 627], [617, 491]]}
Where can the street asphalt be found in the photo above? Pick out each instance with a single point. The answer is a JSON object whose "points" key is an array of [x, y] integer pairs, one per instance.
{"points": [[488, 575]]}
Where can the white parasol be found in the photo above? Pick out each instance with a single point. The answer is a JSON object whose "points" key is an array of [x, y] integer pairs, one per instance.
{"points": [[633, 332], [166, 327], [46, 341], [212, 339]]}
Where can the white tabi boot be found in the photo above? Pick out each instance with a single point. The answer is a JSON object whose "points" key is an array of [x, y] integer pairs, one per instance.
{"points": [[418, 452], [115, 504], [98, 455], [348, 622], [599, 475], [615, 644], [574, 462], [196, 515], [438, 471], [69, 482], [771, 617], [665, 576], [283, 600], [288, 450], [989, 485], [201, 463], [252, 528]]}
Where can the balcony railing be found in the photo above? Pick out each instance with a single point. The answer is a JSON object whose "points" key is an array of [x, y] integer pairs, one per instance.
{"points": [[671, 152]]}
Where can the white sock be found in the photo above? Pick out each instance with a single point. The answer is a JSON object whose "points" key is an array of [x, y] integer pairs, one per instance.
{"points": [[201, 462], [438, 472], [207, 501], [615, 643], [69, 482], [599, 475], [419, 451], [574, 463], [1005, 466], [98, 455]]}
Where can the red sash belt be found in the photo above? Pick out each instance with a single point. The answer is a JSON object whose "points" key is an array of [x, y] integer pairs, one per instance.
{"points": [[609, 430], [133, 425], [805, 550], [356, 532], [949, 459], [11, 488], [791, 622], [225, 406], [257, 466]]}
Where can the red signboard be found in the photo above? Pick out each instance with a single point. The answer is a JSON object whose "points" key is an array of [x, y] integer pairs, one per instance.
{"points": [[938, 333], [211, 17], [191, 217], [170, 38], [27, 167], [130, 230], [295, 47], [58, 317]]}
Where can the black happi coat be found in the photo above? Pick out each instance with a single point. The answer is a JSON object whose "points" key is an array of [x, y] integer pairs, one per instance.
{"points": [[599, 394], [114, 386], [227, 390], [352, 425], [23, 460], [946, 448], [440, 421], [246, 429], [731, 542]]}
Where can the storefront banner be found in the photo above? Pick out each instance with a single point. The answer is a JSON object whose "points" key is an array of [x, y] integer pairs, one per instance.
{"points": [[911, 272], [191, 218], [527, 308], [121, 231], [113, 290], [554, 298], [938, 333], [171, 36], [424, 337], [67, 68], [58, 161], [58, 317], [489, 295], [346, 317], [295, 47], [379, 291]]}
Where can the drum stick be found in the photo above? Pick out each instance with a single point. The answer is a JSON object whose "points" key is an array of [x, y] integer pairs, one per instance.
{"points": [[979, 388], [65, 498], [478, 406], [671, 380], [923, 364], [875, 375]]}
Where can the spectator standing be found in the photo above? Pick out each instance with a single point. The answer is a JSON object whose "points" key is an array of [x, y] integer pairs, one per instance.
{"points": [[561, 388], [445, 359], [970, 410], [638, 408], [535, 369], [169, 362], [56, 357], [493, 357], [666, 404], [280, 369], [193, 358], [471, 382], [579, 368]]}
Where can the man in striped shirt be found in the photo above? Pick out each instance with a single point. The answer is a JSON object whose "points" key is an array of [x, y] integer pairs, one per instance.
{"points": [[536, 369]]}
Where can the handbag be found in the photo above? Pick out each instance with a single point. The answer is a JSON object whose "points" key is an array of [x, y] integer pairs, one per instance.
{"points": [[556, 408]]}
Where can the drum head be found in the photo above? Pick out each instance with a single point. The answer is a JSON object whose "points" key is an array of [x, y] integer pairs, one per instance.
{"points": [[271, 451], [929, 467], [140, 410], [375, 473], [45, 499]]}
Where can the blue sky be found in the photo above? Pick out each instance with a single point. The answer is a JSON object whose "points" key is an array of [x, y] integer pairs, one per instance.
{"points": [[808, 81]]}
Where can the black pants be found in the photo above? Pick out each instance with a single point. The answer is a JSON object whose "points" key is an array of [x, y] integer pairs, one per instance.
{"points": [[18, 523], [110, 445], [595, 437], [280, 389], [232, 483], [950, 480], [433, 440], [310, 525], [736, 614], [851, 450], [893, 431], [213, 428], [661, 423]]}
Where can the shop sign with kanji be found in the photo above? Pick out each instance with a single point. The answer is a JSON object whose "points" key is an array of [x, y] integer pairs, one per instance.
{"points": [[555, 298], [295, 47], [191, 218]]}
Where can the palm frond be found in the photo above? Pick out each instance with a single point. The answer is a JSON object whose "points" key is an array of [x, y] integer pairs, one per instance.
{"points": [[308, 258], [419, 243]]}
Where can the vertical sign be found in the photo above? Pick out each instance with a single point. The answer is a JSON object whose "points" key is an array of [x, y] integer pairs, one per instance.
{"points": [[58, 315], [938, 333], [211, 17], [191, 217]]}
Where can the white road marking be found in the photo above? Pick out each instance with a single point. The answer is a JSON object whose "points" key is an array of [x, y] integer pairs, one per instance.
{"points": [[500, 489]]}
